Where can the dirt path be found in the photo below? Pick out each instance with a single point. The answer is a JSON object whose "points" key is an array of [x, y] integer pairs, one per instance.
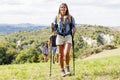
{"points": [[105, 53]]}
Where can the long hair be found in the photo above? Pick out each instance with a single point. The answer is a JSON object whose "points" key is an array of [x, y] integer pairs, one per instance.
{"points": [[66, 14]]}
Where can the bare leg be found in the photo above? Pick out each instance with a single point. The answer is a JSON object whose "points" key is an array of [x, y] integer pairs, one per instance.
{"points": [[45, 58], [61, 55], [57, 58], [67, 52], [53, 59]]}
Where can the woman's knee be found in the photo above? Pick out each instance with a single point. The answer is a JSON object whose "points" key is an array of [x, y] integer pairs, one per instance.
{"points": [[61, 55], [67, 54]]}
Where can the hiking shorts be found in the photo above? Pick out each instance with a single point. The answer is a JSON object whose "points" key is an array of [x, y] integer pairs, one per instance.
{"points": [[60, 40]]}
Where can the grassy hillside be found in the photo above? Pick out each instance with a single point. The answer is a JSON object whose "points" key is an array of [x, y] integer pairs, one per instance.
{"points": [[105, 53], [102, 68], [29, 42]]}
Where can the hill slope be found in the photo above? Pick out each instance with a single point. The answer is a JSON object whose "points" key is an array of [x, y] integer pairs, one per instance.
{"points": [[105, 53], [104, 68]]}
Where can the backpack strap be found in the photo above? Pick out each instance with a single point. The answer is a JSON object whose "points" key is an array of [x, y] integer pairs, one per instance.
{"points": [[70, 23]]}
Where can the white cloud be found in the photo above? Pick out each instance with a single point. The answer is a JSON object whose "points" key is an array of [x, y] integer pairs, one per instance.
{"points": [[101, 12]]}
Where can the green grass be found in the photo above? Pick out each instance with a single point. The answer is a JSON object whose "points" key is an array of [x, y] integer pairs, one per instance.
{"points": [[102, 68], [106, 68]]}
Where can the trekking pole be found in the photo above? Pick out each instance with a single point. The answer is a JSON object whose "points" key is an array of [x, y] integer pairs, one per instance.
{"points": [[73, 54], [50, 51], [72, 48], [53, 29]]}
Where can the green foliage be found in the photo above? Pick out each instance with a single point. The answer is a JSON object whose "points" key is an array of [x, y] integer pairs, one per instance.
{"points": [[11, 55], [31, 40], [2, 55], [3, 49], [29, 55], [92, 31], [79, 43], [117, 39]]}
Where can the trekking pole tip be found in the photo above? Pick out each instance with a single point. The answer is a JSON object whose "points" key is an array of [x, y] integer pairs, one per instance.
{"points": [[50, 75], [74, 74]]}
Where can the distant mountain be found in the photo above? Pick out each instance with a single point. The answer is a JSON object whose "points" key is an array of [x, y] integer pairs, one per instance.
{"points": [[8, 28]]}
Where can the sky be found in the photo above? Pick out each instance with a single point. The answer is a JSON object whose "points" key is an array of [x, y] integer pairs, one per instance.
{"points": [[94, 12]]}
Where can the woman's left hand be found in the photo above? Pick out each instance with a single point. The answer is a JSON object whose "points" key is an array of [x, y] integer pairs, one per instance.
{"points": [[73, 30]]}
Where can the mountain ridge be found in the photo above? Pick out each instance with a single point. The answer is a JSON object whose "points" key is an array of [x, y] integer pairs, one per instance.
{"points": [[8, 28]]}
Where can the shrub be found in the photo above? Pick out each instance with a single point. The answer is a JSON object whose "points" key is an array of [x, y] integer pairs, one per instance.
{"points": [[10, 55], [29, 55], [2, 55]]}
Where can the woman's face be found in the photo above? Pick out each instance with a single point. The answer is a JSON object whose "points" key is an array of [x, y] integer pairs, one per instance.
{"points": [[63, 9]]}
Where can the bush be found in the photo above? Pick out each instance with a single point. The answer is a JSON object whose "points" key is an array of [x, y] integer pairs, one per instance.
{"points": [[2, 55], [29, 55], [108, 47], [3, 49], [10, 55], [97, 50]]}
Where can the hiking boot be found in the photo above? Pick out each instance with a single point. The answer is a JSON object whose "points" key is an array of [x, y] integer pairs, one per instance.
{"points": [[67, 70], [63, 73]]}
